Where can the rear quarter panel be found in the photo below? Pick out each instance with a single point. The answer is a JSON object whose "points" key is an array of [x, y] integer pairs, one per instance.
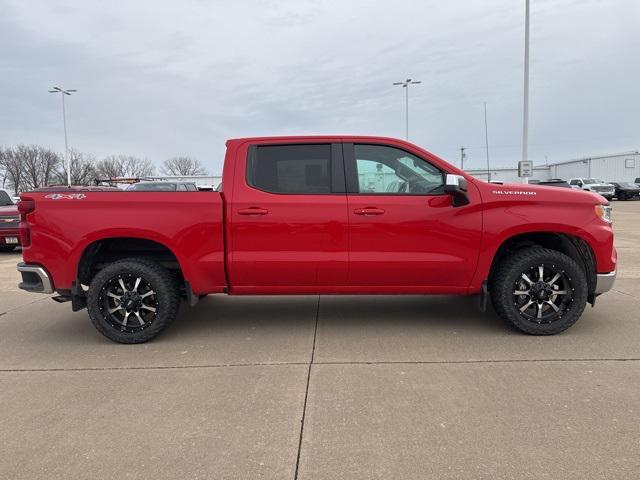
{"points": [[187, 223]]}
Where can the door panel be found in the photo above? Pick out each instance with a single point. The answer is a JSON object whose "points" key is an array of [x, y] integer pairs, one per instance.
{"points": [[401, 236], [289, 240]]}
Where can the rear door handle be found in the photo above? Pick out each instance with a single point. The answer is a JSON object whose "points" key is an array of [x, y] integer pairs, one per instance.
{"points": [[368, 211], [253, 211]]}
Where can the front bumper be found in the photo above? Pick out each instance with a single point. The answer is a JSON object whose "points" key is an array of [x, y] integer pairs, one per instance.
{"points": [[604, 282], [34, 279], [4, 234]]}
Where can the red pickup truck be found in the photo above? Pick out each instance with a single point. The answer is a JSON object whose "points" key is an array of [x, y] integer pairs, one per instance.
{"points": [[320, 215]]}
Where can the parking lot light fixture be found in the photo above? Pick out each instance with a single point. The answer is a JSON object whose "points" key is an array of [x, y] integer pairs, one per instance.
{"points": [[405, 85]]}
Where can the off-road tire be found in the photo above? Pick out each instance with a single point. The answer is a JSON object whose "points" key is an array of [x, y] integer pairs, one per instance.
{"points": [[510, 270], [166, 297]]}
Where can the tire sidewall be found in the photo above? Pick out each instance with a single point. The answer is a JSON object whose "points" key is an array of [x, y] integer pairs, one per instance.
{"points": [[577, 280], [159, 279]]}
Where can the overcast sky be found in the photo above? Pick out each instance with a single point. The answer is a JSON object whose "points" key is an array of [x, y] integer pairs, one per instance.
{"points": [[163, 78]]}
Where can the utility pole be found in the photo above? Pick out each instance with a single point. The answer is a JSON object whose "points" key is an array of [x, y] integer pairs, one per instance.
{"points": [[405, 85], [67, 163], [462, 157], [486, 142], [525, 119]]}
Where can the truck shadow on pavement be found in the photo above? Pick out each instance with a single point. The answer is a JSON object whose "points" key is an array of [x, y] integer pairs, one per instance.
{"points": [[421, 314]]}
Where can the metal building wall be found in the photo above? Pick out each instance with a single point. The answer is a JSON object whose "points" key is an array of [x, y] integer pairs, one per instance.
{"points": [[610, 168], [510, 175], [621, 168], [565, 171]]}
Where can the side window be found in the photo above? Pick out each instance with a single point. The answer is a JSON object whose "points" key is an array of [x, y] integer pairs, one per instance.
{"points": [[391, 171], [298, 169]]}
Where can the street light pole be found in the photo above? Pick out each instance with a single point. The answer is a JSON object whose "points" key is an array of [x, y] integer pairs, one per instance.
{"points": [[486, 142], [67, 163], [405, 85], [525, 119]]}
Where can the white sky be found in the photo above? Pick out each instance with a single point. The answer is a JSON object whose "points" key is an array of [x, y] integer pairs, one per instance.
{"points": [[163, 78]]}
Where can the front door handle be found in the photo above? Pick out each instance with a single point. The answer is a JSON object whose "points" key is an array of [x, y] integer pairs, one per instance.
{"points": [[253, 211], [368, 211]]}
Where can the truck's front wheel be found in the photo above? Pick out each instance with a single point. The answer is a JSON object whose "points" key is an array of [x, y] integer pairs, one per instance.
{"points": [[539, 291], [132, 300]]}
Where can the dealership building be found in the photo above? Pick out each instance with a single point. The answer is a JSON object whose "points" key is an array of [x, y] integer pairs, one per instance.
{"points": [[618, 167]]}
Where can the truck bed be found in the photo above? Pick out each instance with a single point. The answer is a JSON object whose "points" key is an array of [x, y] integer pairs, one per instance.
{"points": [[190, 224]]}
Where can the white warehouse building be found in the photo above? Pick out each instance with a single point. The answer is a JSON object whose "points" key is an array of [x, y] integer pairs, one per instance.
{"points": [[618, 167]]}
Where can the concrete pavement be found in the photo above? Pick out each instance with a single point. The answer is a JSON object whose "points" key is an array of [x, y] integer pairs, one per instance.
{"points": [[344, 387]]}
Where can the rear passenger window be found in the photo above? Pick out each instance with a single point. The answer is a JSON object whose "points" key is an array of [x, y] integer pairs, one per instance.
{"points": [[301, 169]]}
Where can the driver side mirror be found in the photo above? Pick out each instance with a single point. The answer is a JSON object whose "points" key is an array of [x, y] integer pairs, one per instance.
{"points": [[456, 186]]}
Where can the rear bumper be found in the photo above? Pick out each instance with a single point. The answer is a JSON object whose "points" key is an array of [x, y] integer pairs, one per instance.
{"points": [[604, 282], [34, 279]]}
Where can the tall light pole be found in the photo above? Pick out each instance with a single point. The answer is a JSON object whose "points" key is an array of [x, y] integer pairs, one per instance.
{"points": [[525, 119], [67, 163], [405, 85], [486, 142]]}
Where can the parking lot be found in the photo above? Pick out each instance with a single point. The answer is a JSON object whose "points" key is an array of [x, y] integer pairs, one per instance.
{"points": [[324, 388]]}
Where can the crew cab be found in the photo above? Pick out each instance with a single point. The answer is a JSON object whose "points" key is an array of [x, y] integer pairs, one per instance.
{"points": [[593, 185], [320, 215], [9, 223]]}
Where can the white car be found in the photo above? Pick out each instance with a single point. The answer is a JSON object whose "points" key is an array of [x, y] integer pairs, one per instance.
{"points": [[594, 185]]}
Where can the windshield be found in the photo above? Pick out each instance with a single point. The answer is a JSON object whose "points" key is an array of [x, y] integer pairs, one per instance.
{"points": [[5, 199], [591, 181]]}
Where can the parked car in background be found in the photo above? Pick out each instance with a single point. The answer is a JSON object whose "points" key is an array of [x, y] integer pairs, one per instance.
{"points": [[626, 190], [163, 187], [554, 182], [76, 188], [638, 181], [311, 215], [9, 223], [593, 185]]}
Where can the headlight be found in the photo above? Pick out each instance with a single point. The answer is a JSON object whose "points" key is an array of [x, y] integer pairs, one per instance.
{"points": [[604, 213]]}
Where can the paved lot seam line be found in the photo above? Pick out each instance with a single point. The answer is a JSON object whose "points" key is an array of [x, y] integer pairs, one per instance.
{"points": [[288, 364], [17, 307], [306, 392]]}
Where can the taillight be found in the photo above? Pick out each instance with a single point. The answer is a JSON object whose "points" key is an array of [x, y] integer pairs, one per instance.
{"points": [[25, 207]]}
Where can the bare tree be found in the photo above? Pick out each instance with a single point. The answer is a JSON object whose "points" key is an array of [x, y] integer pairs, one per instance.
{"points": [[38, 165], [183, 166], [115, 166], [29, 166], [83, 169], [11, 171]]}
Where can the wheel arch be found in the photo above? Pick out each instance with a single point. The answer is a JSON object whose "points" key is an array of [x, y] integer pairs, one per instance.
{"points": [[110, 248], [571, 245]]}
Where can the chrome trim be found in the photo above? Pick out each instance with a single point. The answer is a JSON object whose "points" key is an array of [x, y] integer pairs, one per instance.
{"points": [[42, 274], [604, 282]]}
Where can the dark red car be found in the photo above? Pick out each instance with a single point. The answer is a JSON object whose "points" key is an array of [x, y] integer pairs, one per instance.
{"points": [[9, 223]]}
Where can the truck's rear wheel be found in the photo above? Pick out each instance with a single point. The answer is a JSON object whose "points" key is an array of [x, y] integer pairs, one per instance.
{"points": [[539, 291], [132, 300]]}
